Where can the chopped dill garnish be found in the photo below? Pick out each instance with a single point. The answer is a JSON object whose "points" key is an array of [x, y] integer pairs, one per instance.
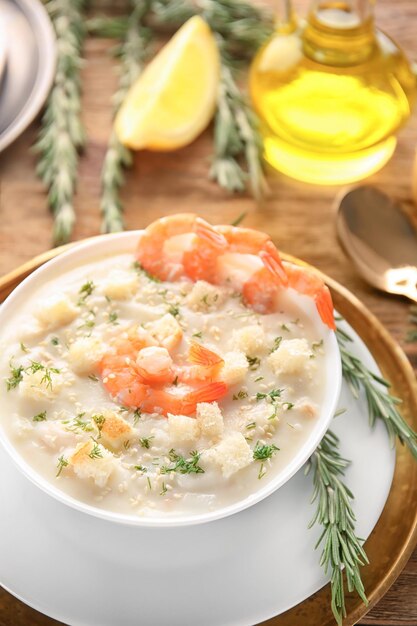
{"points": [[262, 471], [77, 423], [16, 376], [140, 468], [96, 453], [254, 362], [55, 341], [85, 291], [89, 322], [263, 451], [183, 465], [277, 342], [93, 377], [136, 416], [285, 327], [62, 462], [251, 426], [40, 417], [23, 347], [240, 395], [99, 422], [174, 310], [287, 406], [199, 335], [145, 442], [273, 395], [316, 345], [113, 317], [163, 490], [141, 270], [149, 483], [126, 444], [258, 379]]}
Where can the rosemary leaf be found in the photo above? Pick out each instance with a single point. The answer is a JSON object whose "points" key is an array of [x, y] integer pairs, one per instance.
{"points": [[132, 53], [62, 136], [341, 548], [411, 336], [381, 404]]}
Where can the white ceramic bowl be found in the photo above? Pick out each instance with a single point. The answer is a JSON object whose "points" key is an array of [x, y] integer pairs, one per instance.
{"points": [[106, 246]]}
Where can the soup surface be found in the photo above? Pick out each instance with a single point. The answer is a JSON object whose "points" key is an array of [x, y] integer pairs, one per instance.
{"points": [[147, 397]]}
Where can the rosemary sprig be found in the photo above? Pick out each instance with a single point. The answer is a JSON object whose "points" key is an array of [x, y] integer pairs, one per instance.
{"points": [[62, 136], [132, 53], [341, 548], [381, 404], [236, 136], [412, 333]]}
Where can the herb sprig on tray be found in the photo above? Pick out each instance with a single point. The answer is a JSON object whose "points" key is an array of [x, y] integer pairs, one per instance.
{"points": [[132, 52], [381, 404], [62, 137], [341, 549], [411, 336]]}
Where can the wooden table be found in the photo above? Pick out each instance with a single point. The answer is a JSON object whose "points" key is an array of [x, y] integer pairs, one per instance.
{"points": [[299, 217]]}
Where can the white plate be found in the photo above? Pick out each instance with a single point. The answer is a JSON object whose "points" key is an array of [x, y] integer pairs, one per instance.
{"points": [[239, 570]]}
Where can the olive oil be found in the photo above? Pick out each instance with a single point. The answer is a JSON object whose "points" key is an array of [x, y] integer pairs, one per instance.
{"points": [[331, 94]]}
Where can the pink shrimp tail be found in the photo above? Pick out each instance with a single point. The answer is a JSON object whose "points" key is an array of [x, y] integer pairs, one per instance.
{"points": [[206, 231], [208, 393], [199, 355], [272, 261], [324, 304], [308, 283]]}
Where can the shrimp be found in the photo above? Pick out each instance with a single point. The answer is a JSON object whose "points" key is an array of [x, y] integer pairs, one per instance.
{"points": [[136, 374], [154, 365], [162, 401], [307, 283], [162, 259], [260, 291], [205, 365], [123, 381]]}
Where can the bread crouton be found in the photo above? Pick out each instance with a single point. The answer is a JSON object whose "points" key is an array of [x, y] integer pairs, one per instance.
{"points": [[92, 460], [85, 354], [235, 367], [250, 340], [183, 429], [210, 419], [41, 384], [56, 310], [204, 297], [120, 285], [231, 455], [114, 431], [291, 357], [166, 331]]}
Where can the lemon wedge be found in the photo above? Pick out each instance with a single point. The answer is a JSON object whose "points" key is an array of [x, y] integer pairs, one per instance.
{"points": [[174, 98]]}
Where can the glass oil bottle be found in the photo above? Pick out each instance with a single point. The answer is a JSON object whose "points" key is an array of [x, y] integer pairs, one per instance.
{"points": [[331, 93]]}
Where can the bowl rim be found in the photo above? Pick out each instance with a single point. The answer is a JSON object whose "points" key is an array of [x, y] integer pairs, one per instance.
{"points": [[94, 245]]}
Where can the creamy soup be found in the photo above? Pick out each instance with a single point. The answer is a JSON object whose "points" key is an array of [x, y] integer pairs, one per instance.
{"points": [[147, 397]]}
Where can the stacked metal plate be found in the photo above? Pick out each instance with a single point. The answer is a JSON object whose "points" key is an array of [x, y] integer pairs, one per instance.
{"points": [[27, 63]]}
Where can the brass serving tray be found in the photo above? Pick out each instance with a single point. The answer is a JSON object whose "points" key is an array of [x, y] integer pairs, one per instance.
{"points": [[395, 536]]}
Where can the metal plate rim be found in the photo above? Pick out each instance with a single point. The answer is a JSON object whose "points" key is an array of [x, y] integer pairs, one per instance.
{"points": [[41, 25]]}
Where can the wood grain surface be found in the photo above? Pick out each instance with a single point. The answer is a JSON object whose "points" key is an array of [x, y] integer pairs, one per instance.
{"points": [[299, 217]]}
